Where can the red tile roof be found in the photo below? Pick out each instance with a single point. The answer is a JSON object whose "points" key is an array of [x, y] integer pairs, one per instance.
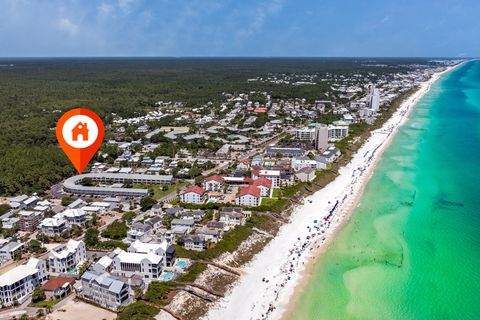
{"points": [[55, 283], [254, 191], [262, 182], [194, 189], [214, 178], [260, 110]]}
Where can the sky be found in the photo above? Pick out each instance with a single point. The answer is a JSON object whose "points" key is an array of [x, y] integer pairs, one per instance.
{"points": [[176, 28]]}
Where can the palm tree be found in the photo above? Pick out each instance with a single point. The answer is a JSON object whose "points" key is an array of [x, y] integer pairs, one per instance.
{"points": [[40, 313]]}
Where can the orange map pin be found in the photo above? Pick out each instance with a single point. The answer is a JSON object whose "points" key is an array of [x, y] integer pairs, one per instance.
{"points": [[80, 133]]}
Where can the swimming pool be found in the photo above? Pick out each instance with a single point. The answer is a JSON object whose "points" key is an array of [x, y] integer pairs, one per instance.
{"points": [[181, 264], [167, 276]]}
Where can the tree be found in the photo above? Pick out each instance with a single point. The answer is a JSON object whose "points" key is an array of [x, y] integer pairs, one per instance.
{"points": [[91, 238], [42, 238], [83, 268], [35, 246], [94, 219], [147, 203], [4, 208], [116, 230], [128, 216], [87, 182], [38, 294], [67, 200], [128, 183]]}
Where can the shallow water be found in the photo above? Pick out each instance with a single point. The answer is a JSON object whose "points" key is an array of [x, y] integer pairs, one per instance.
{"points": [[412, 247]]}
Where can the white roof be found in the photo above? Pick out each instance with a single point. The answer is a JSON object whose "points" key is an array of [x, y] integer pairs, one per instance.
{"points": [[100, 204], [19, 273], [71, 213], [132, 257], [89, 208], [64, 251], [29, 213], [141, 247], [269, 173], [105, 261], [52, 222]]}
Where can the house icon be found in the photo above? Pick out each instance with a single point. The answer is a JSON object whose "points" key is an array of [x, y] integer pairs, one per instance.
{"points": [[80, 129]]}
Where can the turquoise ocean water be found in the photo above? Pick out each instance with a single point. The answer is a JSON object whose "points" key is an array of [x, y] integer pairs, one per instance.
{"points": [[412, 247]]}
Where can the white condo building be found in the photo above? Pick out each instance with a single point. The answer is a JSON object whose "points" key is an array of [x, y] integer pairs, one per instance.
{"points": [[374, 99], [305, 134], [67, 256], [17, 284], [303, 162], [272, 175], [321, 137]]}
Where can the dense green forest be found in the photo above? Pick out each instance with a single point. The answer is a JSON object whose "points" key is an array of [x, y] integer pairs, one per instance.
{"points": [[32, 90]]}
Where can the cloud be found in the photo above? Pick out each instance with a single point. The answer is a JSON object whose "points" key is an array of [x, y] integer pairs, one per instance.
{"points": [[261, 14], [126, 5], [67, 26], [105, 9]]}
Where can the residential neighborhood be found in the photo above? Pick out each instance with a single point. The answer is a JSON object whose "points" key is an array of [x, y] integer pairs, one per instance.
{"points": [[180, 190]]}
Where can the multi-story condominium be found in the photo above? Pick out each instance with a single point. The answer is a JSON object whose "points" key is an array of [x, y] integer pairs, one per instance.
{"points": [[248, 196], [337, 132], [148, 265], [213, 183], [66, 257], [193, 194], [373, 99], [264, 185], [272, 175], [303, 162], [272, 152], [321, 137], [306, 134], [29, 220], [105, 290], [17, 284], [53, 226]]}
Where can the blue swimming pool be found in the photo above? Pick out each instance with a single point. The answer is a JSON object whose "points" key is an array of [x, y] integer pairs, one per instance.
{"points": [[181, 264], [167, 276]]}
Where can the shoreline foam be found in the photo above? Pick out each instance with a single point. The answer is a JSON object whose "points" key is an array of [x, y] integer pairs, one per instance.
{"points": [[275, 278]]}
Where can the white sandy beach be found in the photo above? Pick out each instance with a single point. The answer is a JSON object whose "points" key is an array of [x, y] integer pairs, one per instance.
{"points": [[274, 275]]}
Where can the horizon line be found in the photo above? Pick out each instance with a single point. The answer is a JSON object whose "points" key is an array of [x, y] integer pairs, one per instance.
{"points": [[238, 57]]}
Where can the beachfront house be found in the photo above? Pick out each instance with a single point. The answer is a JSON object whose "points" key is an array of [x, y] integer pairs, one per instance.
{"points": [[105, 290], [18, 283]]}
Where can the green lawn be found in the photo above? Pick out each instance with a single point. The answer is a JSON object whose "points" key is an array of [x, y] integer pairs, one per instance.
{"points": [[45, 303], [271, 204], [276, 193], [157, 189]]}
